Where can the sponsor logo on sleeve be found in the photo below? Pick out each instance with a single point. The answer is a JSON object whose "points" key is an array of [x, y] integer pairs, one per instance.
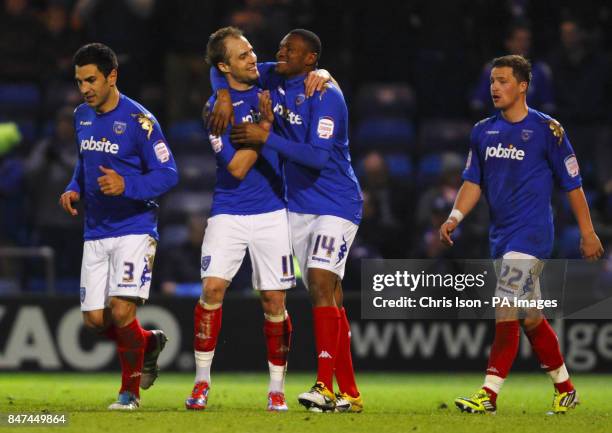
{"points": [[325, 128], [571, 165], [216, 143], [161, 151]]}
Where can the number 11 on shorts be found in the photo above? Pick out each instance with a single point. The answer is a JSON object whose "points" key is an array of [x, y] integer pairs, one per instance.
{"points": [[287, 265]]}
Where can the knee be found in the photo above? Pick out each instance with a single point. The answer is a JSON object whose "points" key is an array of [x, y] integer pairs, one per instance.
{"points": [[321, 288], [273, 302], [530, 323], [122, 312], [213, 290], [94, 320], [338, 295]]}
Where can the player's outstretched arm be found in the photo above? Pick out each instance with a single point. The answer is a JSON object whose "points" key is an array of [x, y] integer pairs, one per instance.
{"points": [[590, 245], [251, 134], [328, 111], [467, 198]]}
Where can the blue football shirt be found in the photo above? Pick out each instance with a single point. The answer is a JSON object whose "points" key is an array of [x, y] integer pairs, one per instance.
{"points": [[261, 190], [516, 165], [129, 140], [321, 122]]}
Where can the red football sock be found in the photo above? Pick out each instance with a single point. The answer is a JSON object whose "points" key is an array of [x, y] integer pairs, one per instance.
{"points": [[130, 345], [327, 333], [149, 339], [565, 386], [278, 340], [111, 334], [345, 376], [206, 327], [546, 347], [503, 351]]}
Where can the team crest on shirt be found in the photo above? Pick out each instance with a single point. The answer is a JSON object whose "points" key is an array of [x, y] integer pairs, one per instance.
{"points": [[325, 128], [146, 122], [557, 130], [300, 99], [571, 165], [526, 134], [83, 291], [205, 262], [119, 127]]}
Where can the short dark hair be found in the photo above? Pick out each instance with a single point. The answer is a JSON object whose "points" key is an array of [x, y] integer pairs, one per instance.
{"points": [[313, 41], [216, 52], [96, 54], [521, 67]]}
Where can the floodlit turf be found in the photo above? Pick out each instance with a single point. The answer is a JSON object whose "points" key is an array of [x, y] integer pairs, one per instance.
{"points": [[393, 403]]}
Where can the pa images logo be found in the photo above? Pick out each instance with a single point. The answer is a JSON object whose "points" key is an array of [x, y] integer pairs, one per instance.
{"points": [[205, 262]]}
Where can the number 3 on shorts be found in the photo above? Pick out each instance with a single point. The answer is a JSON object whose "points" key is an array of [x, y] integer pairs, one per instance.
{"points": [[128, 272]]}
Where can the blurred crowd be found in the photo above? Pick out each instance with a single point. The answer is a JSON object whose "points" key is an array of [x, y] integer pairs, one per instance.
{"points": [[415, 81]]}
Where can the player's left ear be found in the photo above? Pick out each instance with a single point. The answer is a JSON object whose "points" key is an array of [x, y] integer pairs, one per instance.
{"points": [[112, 78], [311, 59], [523, 86]]}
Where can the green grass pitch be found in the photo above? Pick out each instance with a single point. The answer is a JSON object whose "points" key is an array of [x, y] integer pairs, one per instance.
{"points": [[393, 403]]}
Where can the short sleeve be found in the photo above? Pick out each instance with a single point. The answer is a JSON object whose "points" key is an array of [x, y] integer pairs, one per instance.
{"points": [[473, 168]]}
